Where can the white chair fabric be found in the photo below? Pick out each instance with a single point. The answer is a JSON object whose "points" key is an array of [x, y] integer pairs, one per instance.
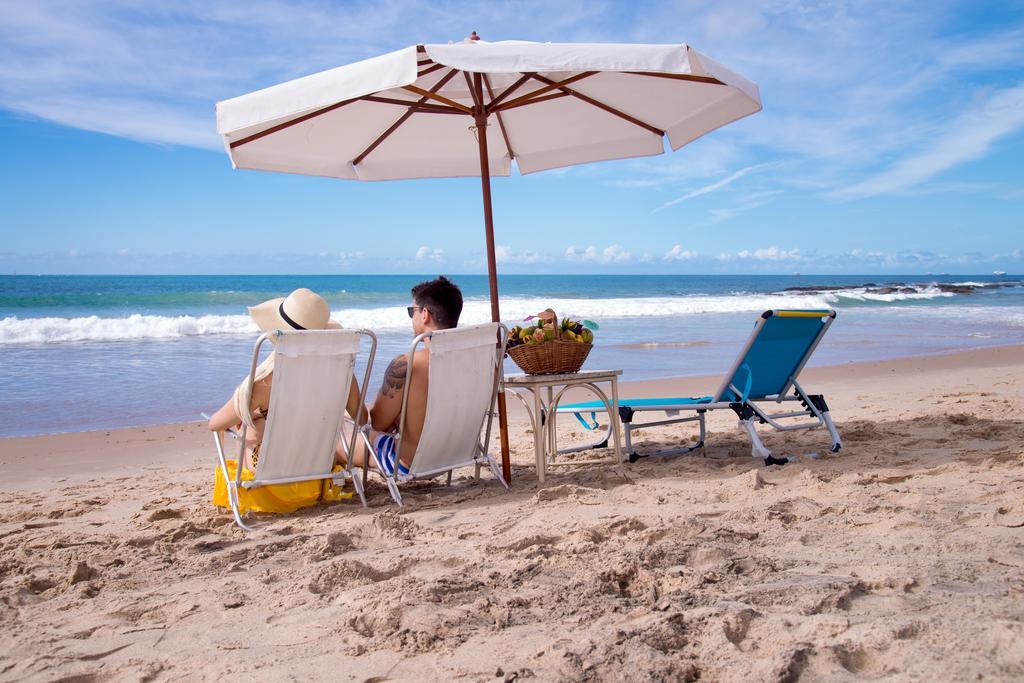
{"points": [[461, 389], [312, 377]]}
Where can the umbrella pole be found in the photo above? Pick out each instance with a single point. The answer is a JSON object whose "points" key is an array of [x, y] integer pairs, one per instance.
{"points": [[492, 267]]}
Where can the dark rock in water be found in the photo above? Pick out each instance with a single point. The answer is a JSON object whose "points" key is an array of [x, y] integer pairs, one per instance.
{"points": [[957, 289], [893, 290], [903, 287]]}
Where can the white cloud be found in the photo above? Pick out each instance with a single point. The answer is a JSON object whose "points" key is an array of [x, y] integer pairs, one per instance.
{"points": [[749, 202], [615, 254], [717, 185], [426, 253], [965, 138], [677, 253], [505, 254], [610, 254], [346, 256], [772, 253]]}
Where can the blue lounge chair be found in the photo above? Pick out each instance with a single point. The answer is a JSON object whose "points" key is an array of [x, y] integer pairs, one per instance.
{"points": [[766, 369]]}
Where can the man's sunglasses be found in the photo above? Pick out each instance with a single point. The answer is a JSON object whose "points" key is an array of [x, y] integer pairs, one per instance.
{"points": [[412, 309]]}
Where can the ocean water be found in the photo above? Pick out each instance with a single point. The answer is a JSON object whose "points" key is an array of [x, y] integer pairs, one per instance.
{"points": [[93, 352]]}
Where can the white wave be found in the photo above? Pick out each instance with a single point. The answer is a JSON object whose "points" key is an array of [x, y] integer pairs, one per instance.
{"points": [[15, 330], [516, 309], [93, 328], [868, 294]]}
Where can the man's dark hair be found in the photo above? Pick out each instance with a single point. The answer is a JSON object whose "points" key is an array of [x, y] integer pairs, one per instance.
{"points": [[442, 298]]}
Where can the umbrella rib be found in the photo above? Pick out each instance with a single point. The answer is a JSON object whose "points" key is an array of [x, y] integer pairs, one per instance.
{"points": [[337, 105], [403, 118], [431, 70], [535, 100], [439, 98], [477, 104], [497, 115], [677, 77], [419, 106], [552, 85], [289, 124], [601, 105], [508, 91]]}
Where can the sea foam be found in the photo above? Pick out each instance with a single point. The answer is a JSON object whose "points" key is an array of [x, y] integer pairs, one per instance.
{"points": [[14, 330], [866, 294], [49, 330]]}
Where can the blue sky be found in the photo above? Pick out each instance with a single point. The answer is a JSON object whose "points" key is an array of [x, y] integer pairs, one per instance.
{"points": [[890, 142]]}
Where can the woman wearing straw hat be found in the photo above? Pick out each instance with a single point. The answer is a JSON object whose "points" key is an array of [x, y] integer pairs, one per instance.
{"points": [[303, 309]]}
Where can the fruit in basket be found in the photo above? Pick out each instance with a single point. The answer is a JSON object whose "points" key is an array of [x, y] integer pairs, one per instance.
{"points": [[576, 331], [543, 330], [528, 343]]}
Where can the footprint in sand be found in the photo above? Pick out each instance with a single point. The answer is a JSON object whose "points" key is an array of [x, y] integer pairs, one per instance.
{"points": [[165, 513], [343, 574], [333, 544], [531, 546], [737, 624], [390, 524]]}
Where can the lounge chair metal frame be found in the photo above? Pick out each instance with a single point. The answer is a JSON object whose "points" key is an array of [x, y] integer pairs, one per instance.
{"points": [[267, 454], [729, 396], [477, 453]]}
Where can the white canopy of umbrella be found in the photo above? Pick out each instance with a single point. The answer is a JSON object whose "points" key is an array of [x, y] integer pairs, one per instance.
{"points": [[413, 113]]}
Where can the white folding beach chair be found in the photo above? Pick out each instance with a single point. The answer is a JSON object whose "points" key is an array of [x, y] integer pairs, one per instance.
{"points": [[463, 383], [312, 379], [765, 370]]}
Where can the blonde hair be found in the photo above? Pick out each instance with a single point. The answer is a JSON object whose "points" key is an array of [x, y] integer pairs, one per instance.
{"points": [[242, 398]]}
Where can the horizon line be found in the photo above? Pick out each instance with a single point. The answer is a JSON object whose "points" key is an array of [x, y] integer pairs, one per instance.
{"points": [[438, 274]]}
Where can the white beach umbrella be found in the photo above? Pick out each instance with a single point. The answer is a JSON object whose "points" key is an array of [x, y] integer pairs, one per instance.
{"points": [[430, 111]]}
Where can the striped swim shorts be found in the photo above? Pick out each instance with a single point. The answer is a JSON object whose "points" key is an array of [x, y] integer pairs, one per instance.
{"points": [[387, 454]]}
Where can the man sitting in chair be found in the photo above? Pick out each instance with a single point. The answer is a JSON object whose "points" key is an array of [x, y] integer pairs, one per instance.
{"points": [[436, 305]]}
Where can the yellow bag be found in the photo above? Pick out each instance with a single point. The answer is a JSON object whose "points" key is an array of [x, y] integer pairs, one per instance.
{"points": [[275, 497]]}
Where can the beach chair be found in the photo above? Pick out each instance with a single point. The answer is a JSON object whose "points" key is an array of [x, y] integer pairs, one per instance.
{"points": [[764, 372], [463, 382], [313, 372]]}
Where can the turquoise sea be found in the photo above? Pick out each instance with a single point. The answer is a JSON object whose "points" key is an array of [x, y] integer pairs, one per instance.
{"points": [[92, 352]]}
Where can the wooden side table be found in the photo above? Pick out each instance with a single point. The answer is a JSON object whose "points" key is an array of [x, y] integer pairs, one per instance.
{"points": [[544, 404]]}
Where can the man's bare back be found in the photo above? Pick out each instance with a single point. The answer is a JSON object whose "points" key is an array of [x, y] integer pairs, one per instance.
{"points": [[386, 411]]}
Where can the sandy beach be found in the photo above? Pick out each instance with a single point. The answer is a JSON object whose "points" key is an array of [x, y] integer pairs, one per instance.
{"points": [[901, 557]]}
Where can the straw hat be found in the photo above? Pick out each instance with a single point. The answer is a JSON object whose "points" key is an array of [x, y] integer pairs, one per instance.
{"points": [[303, 309]]}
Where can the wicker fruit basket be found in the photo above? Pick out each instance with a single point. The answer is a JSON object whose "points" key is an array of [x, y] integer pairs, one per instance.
{"points": [[556, 355]]}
